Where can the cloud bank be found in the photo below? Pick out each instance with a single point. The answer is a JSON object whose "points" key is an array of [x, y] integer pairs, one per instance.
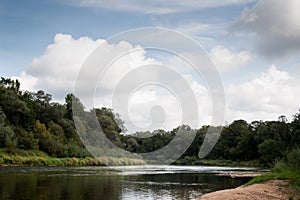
{"points": [[266, 97], [56, 70], [227, 60]]}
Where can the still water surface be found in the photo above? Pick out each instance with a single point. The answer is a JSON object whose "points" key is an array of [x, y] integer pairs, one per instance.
{"points": [[112, 183]]}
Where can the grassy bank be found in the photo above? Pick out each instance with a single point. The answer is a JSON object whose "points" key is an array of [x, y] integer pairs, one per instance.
{"points": [[38, 158], [291, 175], [285, 169]]}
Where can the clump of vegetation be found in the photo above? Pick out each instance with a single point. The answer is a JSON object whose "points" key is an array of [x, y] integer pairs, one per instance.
{"points": [[289, 167]]}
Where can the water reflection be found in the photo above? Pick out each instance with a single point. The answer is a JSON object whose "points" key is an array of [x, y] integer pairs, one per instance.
{"points": [[101, 183]]}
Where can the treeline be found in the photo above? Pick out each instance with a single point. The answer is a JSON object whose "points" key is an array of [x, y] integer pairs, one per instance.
{"points": [[260, 142], [30, 121]]}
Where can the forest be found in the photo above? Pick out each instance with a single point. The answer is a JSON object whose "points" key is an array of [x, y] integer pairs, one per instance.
{"points": [[31, 121]]}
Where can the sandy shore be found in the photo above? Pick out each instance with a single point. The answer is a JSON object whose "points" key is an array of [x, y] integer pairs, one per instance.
{"points": [[271, 190]]}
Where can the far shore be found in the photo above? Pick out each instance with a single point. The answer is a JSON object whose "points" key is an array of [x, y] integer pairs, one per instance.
{"points": [[270, 190]]}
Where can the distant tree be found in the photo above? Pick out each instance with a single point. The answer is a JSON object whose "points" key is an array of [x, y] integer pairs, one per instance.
{"points": [[10, 84]]}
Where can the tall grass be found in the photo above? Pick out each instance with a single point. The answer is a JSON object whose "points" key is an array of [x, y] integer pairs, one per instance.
{"points": [[38, 158]]}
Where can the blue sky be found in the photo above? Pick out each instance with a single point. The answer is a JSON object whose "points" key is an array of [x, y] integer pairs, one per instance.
{"points": [[28, 26], [255, 45]]}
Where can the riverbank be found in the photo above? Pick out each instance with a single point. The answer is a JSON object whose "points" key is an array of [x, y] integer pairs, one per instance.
{"points": [[270, 190], [280, 183], [38, 158]]}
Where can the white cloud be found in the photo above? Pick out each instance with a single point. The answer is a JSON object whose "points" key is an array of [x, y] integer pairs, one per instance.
{"points": [[226, 60], [295, 70], [155, 6], [273, 25], [223, 59], [143, 103], [264, 98], [56, 70], [151, 108]]}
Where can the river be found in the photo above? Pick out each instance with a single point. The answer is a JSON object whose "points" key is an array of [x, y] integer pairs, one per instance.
{"points": [[111, 183]]}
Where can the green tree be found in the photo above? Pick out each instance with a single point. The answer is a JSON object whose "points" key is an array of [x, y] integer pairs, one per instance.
{"points": [[15, 109], [26, 139], [269, 151], [72, 102]]}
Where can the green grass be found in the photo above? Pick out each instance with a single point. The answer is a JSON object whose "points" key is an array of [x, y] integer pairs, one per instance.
{"points": [[20, 157], [262, 178], [281, 172], [293, 176]]}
